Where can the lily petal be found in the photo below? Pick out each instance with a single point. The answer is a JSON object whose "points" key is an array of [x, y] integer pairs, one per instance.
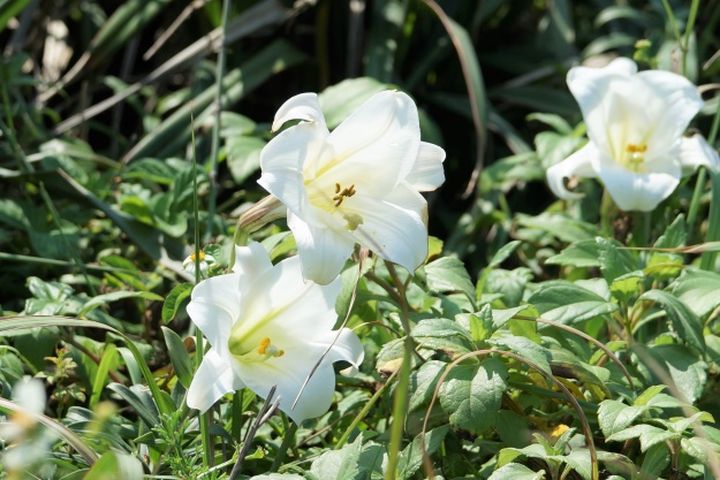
{"points": [[347, 347], [678, 101], [376, 146], [639, 191], [215, 305], [304, 106], [288, 374], [394, 227], [323, 251], [427, 173], [251, 260], [213, 379], [579, 164], [696, 152], [282, 161], [592, 87]]}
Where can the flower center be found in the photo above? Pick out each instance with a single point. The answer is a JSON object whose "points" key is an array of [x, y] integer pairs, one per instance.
{"points": [[342, 194], [634, 157], [201, 255], [264, 350]]}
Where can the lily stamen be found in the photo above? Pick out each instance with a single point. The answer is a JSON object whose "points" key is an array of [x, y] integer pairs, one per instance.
{"points": [[266, 348], [341, 194]]}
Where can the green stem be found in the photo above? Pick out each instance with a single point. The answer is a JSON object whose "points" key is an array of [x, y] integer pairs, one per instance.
{"points": [[641, 228], [204, 419], [400, 400], [236, 427], [685, 43], [707, 260], [360, 416], [212, 171]]}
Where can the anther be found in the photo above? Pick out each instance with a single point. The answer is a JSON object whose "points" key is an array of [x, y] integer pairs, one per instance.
{"points": [[263, 346], [341, 195]]}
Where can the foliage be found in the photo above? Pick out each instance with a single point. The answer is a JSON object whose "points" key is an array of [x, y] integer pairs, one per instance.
{"points": [[550, 339]]}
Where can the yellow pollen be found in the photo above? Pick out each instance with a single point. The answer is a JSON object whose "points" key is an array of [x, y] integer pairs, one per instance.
{"points": [[201, 255], [632, 148], [343, 193], [264, 344], [279, 353]]}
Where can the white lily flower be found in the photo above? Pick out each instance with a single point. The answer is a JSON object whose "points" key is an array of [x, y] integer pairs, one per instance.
{"points": [[268, 327], [635, 123], [359, 183]]}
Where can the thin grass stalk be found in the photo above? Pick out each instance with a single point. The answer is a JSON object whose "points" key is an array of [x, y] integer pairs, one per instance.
{"points": [[364, 411], [215, 145], [685, 43], [199, 343], [701, 178]]}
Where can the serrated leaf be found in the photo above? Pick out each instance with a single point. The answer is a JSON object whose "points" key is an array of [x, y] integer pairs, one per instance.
{"points": [[448, 274], [442, 334], [471, 394], [614, 416]]}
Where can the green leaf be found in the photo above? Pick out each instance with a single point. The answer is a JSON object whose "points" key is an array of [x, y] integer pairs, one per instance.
{"points": [[174, 301], [649, 435], [471, 394], [106, 298], [113, 465], [503, 253], [448, 274], [442, 334], [656, 460], [613, 261], [423, 382], [614, 416], [340, 464], [648, 395], [584, 253], [565, 302], [686, 323], [108, 361], [516, 471], [686, 368], [510, 283], [410, 459], [243, 156], [526, 348], [699, 290], [178, 356], [140, 400]]}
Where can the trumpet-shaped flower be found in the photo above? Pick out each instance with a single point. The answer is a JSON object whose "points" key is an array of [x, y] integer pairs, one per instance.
{"points": [[359, 183], [635, 124], [268, 327]]}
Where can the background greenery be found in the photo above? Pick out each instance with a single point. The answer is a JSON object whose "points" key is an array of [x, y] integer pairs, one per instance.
{"points": [[591, 359]]}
